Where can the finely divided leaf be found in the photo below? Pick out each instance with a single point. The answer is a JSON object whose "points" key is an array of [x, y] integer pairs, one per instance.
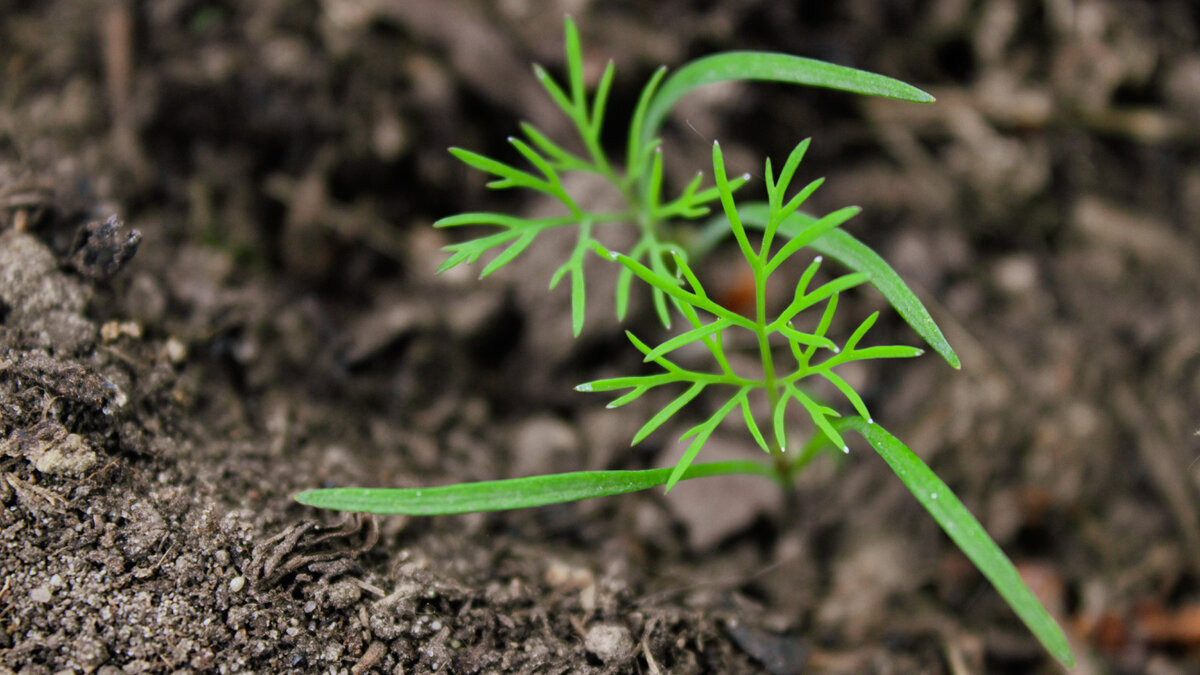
{"points": [[856, 255]]}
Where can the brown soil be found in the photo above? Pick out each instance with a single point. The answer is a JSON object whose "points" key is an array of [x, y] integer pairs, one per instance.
{"points": [[280, 328]]}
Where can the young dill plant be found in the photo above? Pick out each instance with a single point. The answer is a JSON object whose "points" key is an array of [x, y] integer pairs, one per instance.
{"points": [[812, 354], [787, 355]]}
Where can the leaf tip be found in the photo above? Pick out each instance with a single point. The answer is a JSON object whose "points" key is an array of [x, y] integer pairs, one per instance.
{"points": [[846, 449], [585, 387], [818, 258]]}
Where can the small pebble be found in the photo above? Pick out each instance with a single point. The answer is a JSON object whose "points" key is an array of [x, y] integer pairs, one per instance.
{"points": [[175, 350], [609, 642], [41, 594], [237, 583]]}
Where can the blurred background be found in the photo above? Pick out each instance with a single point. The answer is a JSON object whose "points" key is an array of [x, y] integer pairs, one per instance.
{"points": [[285, 159]]}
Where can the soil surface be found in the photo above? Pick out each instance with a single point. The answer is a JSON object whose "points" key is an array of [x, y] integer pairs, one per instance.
{"points": [[217, 289]]}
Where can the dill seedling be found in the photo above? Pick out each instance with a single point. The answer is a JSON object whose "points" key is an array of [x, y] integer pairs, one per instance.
{"points": [[767, 234]]}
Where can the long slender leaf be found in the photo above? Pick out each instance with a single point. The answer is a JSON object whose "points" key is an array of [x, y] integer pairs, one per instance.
{"points": [[613, 383], [701, 432], [633, 151], [516, 493], [731, 212], [510, 176], [772, 67], [564, 158], [804, 238], [752, 426], [555, 91], [687, 338], [668, 286], [600, 99], [820, 417], [966, 532], [666, 413], [509, 253]]}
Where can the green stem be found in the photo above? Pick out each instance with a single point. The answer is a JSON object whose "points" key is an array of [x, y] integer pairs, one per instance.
{"points": [[777, 445]]}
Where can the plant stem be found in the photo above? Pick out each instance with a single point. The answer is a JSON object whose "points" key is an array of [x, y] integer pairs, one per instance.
{"points": [[777, 447]]}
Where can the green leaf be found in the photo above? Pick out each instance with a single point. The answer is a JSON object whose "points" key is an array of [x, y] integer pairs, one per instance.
{"points": [[694, 335], [624, 285], [820, 417], [848, 391], [578, 300], [856, 255], [798, 199], [790, 166], [966, 532], [666, 413], [684, 270], [654, 188], [516, 493], [534, 158], [801, 239], [600, 100], [772, 67], [510, 176], [634, 153], [860, 332], [554, 90], [575, 64], [509, 253], [884, 352], [501, 220], [778, 419], [633, 395], [803, 300], [711, 193], [731, 212], [807, 339], [613, 383], [669, 286], [701, 432], [565, 159], [752, 425]]}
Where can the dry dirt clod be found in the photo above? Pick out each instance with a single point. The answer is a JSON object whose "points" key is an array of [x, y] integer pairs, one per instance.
{"points": [[101, 249], [38, 298], [611, 643]]}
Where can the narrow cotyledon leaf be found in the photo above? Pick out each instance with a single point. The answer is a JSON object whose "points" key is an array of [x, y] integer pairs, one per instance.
{"points": [[966, 532], [771, 67], [515, 493]]}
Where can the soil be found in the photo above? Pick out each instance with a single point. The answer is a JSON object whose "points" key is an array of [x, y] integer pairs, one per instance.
{"points": [[217, 290]]}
